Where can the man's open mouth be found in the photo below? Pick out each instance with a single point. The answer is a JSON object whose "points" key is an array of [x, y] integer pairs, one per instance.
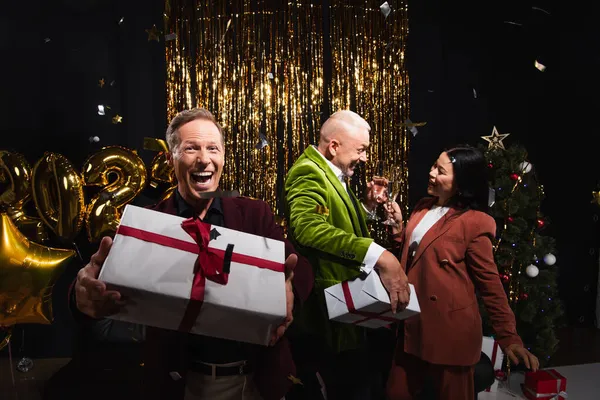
{"points": [[202, 177]]}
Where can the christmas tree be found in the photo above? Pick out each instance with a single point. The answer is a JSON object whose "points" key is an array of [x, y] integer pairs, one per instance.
{"points": [[523, 253]]}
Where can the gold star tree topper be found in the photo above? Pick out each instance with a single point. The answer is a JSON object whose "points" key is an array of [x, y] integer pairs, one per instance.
{"points": [[495, 140]]}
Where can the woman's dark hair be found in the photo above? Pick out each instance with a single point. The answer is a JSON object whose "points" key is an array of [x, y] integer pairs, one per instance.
{"points": [[470, 178]]}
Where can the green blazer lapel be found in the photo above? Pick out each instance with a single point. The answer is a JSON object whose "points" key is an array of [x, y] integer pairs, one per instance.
{"points": [[314, 155]]}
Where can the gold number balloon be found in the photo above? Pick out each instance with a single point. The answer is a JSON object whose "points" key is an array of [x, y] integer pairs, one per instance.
{"points": [[128, 174], [160, 171], [16, 173], [28, 271], [58, 195]]}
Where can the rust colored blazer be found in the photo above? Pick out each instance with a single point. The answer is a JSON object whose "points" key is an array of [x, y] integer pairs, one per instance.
{"points": [[454, 258]]}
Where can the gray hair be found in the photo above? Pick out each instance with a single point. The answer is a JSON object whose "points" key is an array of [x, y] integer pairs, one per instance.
{"points": [[172, 135]]}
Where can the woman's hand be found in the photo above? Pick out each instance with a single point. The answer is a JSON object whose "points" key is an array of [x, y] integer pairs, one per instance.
{"points": [[516, 352], [393, 212]]}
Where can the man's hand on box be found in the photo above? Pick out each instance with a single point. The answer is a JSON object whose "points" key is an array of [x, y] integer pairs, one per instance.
{"points": [[92, 297], [290, 264]]}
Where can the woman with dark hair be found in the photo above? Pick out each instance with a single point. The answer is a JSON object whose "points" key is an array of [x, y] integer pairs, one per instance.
{"points": [[446, 251]]}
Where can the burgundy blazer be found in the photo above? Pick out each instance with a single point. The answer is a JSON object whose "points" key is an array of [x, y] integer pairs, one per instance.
{"points": [[454, 258], [166, 351]]}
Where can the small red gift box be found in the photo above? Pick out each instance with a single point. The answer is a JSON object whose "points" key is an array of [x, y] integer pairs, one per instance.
{"points": [[545, 384]]}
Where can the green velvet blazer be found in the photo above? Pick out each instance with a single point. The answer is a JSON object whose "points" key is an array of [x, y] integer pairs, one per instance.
{"points": [[328, 229]]}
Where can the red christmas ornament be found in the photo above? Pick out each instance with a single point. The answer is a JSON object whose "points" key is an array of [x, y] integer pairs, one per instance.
{"points": [[524, 296], [510, 219], [540, 223], [505, 278], [500, 375], [514, 177]]}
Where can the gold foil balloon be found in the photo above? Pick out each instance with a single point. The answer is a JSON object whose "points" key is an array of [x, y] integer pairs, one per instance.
{"points": [[161, 171], [58, 195], [128, 174], [28, 272], [15, 172]]}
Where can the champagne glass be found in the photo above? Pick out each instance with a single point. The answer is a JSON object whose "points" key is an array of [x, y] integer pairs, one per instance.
{"points": [[379, 189], [393, 190]]}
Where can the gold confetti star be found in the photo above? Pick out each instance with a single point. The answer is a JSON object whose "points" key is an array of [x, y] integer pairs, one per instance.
{"points": [[153, 33], [117, 119], [596, 198], [495, 140], [101, 83], [295, 380]]}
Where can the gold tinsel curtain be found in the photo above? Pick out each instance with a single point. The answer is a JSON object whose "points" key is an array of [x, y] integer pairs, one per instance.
{"points": [[260, 67]]}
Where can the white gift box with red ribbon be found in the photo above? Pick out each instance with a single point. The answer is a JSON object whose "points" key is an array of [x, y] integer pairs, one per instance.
{"points": [[491, 348], [182, 274], [365, 302]]}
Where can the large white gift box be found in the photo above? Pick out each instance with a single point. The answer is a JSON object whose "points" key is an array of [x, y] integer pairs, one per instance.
{"points": [[158, 268], [491, 348], [365, 302]]}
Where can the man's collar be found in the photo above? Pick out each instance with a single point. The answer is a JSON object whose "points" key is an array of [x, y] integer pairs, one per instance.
{"points": [[338, 172], [184, 209]]}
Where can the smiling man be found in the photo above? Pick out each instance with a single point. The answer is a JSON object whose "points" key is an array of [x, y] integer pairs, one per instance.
{"points": [[328, 225], [193, 367]]}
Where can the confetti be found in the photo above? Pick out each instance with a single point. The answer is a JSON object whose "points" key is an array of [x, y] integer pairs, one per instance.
{"points": [[101, 83], [513, 23], [226, 30], [121, 20], [270, 75], [262, 142], [117, 119], [491, 197], [413, 126], [385, 9], [170, 36], [539, 66], [474, 93], [101, 110], [94, 139], [47, 40], [540, 9]]}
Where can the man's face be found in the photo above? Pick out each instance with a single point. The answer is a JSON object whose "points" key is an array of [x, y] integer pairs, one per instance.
{"points": [[198, 163], [350, 149]]}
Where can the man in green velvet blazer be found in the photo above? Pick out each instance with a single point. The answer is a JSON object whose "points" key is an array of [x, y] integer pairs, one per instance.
{"points": [[327, 223]]}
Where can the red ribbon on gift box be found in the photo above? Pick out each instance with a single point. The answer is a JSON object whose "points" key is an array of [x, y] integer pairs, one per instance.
{"points": [[212, 264], [368, 315]]}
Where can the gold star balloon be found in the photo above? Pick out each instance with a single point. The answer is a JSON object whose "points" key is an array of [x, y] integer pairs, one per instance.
{"points": [[495, 140], [28, 271]]}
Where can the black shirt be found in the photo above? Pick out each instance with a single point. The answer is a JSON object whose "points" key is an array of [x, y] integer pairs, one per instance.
{"points": [[204, 348]]}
